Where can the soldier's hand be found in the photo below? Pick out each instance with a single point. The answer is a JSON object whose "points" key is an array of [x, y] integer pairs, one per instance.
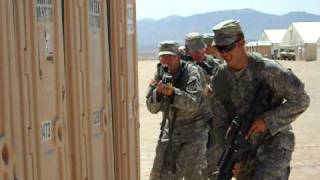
{"points": [[207, 91], [153, 82], [164, 89], [258, 126], [236, 170]]}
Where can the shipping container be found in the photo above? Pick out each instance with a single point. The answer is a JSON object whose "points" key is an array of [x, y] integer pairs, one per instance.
{"points": [[6, 56], [45, 86], [68, 90], [124, 89], [89, 89]]}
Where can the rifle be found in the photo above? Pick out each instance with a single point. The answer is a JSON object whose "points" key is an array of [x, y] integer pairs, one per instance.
{"points": [[240, 149], [157, 78], [166, 79]]}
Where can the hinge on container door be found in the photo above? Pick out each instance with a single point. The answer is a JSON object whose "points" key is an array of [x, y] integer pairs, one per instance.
{"points": [[30, 140], [63, 92]]}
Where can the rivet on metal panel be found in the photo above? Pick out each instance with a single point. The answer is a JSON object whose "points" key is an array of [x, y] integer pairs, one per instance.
{"points": [[63, 92]]}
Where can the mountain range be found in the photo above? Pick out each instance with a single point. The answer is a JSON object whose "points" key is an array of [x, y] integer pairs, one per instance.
{"points": [[151, 32]]}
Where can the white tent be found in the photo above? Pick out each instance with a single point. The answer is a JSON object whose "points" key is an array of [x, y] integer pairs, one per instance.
{"points": [[302, 37], [275, 37]]}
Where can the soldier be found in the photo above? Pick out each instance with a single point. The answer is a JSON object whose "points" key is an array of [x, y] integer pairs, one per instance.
{"points": [[211, 47], [234, 87], [196, 49], [183, 55], [181, 147]]}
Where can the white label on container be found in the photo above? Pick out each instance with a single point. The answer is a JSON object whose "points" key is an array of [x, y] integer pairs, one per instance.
{"points": [[46, 131], [130, 16], [96, 118]]}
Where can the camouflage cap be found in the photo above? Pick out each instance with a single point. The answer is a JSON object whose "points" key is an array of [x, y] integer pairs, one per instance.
{"points": [[208, 38], [168, 48], [226, 32], [194, 41]]}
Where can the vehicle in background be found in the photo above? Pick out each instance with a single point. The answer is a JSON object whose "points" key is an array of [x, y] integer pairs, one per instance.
{"points": [[286, 54]]}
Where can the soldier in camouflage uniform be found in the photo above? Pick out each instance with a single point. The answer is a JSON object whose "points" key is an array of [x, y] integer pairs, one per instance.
{"points": [[183, 55], [240, 76], [207, 64], [195, 47], [211, 47], [186, 154]]}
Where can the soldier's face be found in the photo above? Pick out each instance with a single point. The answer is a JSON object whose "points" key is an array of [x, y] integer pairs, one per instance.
{"points": [[172, 61], [198, 55], [234, 56], [209, 50]]}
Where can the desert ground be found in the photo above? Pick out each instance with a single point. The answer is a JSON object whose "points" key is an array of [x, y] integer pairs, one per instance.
{"points": [[306, 158]]}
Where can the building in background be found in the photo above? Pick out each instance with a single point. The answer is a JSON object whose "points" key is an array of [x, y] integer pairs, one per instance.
{"points": [[274, 36], [301, 37], [262, 47]]}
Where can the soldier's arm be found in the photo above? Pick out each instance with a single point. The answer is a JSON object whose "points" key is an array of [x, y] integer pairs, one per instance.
{"points": [[220, 120], [191, 98], [214, 63], [154, 101], [288, 86]]}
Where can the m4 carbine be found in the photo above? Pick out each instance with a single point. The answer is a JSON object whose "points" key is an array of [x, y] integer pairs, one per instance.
{"points": [[239, 148]]}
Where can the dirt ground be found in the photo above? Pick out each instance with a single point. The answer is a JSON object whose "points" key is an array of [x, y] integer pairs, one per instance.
{"points": [[306, 157]]}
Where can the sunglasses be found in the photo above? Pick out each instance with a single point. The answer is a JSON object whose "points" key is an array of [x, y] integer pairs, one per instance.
{"points": [[226, 48]]}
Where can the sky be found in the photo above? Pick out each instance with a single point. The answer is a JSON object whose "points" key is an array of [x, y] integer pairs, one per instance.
{"points": [[157, 9]]}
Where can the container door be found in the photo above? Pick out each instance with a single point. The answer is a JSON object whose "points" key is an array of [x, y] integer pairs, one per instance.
{"points": [[47, 97]]}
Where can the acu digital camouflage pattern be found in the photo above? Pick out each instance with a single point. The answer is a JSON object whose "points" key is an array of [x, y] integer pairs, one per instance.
{"points": [[168, 48], [207, 68], [274, 155], [191, 128], [194, 41], [226, 32]]}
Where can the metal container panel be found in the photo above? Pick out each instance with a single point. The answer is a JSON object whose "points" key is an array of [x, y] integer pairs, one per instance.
{"points": [[56, 90], [44, 60], [6, 55], [124, 89], [88, 83], [133, 105]]}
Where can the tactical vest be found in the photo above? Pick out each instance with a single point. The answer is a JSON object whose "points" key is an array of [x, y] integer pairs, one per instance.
{"points": [[182, 79]]}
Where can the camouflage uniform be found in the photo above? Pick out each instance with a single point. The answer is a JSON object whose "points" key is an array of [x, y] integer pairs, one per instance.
{"points": [[272, 160], [194, 41], [188, 146], [209, 41]]}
